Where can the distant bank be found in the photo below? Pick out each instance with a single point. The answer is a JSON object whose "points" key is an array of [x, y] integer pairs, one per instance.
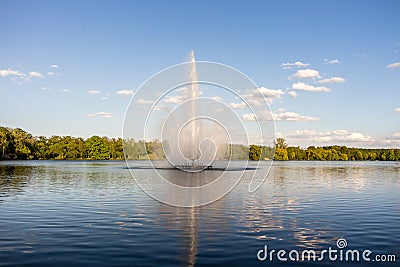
{"points": [[19, 144]]}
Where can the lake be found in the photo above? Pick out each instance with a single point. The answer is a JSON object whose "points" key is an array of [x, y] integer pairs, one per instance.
{"points": [[92, 213]]}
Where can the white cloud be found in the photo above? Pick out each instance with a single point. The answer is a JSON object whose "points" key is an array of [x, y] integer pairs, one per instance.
{"points": [[15, 74], [332, 61], [302, 134], [294, 64], [103, 114], [256, 102], [293, 94], [94, 92], [340, 137], [50, 73], [397, 110], [258, 96], [333, 80], [10, 72], [125, 92], [237, 105], [393, 66], [307, 74], [329, 136], [176, 99], [184, 93], [311, 88], [261, 116], [268, 93], [142, 101], [343, 135], [216, 98], [249, 117], [66, 91], [279, 115], [159, 106], [45, 88], [54, 66], [389, 141], [35, 74]]}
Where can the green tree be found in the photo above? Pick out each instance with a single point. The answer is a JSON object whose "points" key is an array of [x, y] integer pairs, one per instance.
{"points": [[155, 150], [97, 148], [397, 154], [56, 147], [80, 148], [70, 147], [383, 155], [254, 152], [344, 157], [6, 143], [391, 155], [281, 154], [24, 144], [281, 150], [281, 143], [239, 152], [115, 148], [296, 153], [130, 151], [41, 148], [267, 153]]}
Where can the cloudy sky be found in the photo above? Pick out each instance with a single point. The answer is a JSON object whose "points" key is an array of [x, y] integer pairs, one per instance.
{"points": [[331, 69]]}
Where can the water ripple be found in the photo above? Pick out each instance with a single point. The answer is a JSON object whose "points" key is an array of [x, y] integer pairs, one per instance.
{"points": [[93, 213]]}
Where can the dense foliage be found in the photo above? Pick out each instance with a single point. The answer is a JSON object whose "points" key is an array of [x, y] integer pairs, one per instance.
{"points": [[255, 152], [283, 152], [19, 144]]}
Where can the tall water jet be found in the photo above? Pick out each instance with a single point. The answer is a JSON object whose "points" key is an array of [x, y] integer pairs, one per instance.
{"points": [[192, 139], [194, 93]]}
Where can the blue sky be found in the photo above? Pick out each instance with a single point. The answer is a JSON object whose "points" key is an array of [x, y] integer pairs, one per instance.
{"points": [[69, 67]]}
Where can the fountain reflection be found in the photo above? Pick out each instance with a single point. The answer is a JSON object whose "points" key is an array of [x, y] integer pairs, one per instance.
{"points": [[187, 222]]}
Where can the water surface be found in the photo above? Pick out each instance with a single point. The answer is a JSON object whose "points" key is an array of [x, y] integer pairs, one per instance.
{"points": [[73, 213]]}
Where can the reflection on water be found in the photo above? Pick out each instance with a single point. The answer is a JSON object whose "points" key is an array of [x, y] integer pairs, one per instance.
{"points": [[93, 213], [14, 179], [188, 225]]}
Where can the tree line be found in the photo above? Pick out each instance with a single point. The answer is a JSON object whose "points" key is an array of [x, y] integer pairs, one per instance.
{"points": [[19, 144], [332, 153]]}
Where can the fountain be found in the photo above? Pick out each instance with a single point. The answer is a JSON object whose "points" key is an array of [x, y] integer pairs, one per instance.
{"points": [[191, 109], [192, 140]]}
